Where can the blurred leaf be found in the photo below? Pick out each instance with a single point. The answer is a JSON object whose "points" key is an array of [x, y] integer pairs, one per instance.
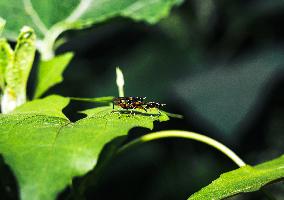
{"points": [[262, 7], [80, 13], [226, 97], [8, 183], [6, 59], [244, 179], [45, 150], [50, 73], [206, 14], [50, 18], [17, 73]]}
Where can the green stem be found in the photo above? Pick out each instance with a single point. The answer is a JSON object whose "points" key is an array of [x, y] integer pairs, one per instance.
{"points": [[188, 135], [93, 100], [46, 45]]}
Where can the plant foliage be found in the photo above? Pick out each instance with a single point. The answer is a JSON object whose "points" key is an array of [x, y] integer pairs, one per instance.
{"points": [[244, 179], [45, 150], [75, 14]]}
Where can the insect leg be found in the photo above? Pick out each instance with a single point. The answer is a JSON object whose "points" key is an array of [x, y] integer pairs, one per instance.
{"points": [[144, 108]]}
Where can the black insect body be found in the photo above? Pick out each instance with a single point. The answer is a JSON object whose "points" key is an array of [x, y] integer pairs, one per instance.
{"points": [[120, 101], [157, 105], [135, 99], [129, 102], [135, 103], [129, 99]]}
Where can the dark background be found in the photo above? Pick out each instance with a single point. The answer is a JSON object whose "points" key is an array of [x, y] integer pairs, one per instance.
{"points": [[219, 63]]}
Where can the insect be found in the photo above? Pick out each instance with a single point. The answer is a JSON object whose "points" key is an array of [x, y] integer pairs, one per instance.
{"points": [[152, 104], [129, 102], [135, 103]]}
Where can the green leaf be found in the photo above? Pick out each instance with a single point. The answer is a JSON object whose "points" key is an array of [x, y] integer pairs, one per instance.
{"points": [[244, 179], [78, 13], [17, 73], [45, 150], [50, 106], [17, 76], [2, 24], [50, 18], [50, 73], [6, 60]]}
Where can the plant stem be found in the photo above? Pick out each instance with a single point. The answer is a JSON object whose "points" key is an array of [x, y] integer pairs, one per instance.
{"points": [[188, 135], [46, 45], [120, 82], [94, 100]]}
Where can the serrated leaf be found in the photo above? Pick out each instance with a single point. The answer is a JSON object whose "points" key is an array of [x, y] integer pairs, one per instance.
{"points": [[244, 179], [50, 72], [45, 152]]}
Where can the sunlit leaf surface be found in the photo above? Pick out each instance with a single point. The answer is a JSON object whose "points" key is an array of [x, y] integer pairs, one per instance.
{"points": [[45, 150], [50, 72], [244, 179]]}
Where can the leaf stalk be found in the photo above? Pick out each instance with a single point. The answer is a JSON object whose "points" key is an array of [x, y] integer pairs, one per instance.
{"points": [[188, 135]]}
